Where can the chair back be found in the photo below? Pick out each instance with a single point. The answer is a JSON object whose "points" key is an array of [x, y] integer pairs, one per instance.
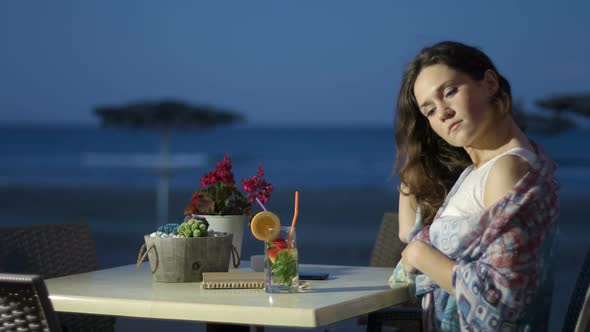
{"points": [[387, 250], [51, 251], [577, 318], [25, 305]]}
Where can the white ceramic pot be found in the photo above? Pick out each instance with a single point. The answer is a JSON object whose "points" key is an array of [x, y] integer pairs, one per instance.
{"points": [[234, 224]]}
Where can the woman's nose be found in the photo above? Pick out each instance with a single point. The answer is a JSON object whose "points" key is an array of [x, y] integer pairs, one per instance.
{"points": [[447, 113]]}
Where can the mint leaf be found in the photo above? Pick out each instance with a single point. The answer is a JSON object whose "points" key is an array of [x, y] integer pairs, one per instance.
{"points": [[285, 267]]}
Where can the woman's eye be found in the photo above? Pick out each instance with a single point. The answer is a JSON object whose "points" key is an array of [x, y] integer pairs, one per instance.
{"points": [[430, 112], [450, 92]]}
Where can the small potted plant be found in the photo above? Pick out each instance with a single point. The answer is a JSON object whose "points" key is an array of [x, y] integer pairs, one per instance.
{"points": [[182, 252], [223, 205]]}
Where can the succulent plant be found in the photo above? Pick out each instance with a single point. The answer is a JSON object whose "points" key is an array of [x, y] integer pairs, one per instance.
{"points": [[194, 227]]}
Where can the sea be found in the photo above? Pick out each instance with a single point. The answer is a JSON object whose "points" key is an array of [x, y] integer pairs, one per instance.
{"points": [[291, 157]]}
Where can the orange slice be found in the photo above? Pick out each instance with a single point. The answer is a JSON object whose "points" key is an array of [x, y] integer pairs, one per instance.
{"points": [[265, 225]]}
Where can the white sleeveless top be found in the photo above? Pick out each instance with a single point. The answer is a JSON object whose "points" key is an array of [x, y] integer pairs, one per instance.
{"points": [[466, 197]]}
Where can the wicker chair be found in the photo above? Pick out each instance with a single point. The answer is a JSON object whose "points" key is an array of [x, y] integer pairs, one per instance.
{"points": [[386, 253], [387, 250], [52, 251], [24, 304], [577, 318]]}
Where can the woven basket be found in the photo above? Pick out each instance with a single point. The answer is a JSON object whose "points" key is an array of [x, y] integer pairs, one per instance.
{"points": [[185, 259]]}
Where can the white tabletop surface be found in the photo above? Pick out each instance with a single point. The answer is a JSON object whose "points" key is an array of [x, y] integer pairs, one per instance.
{"points": [[129, 291]]}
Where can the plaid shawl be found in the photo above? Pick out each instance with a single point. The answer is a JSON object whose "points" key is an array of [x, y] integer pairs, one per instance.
{"points": [[497, 273]]}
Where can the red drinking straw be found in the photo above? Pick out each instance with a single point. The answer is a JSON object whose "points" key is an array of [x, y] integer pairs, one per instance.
{"points": [[294, 218]]}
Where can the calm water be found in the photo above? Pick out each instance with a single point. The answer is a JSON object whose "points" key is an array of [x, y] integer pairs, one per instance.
{"points": [[303, 157]]}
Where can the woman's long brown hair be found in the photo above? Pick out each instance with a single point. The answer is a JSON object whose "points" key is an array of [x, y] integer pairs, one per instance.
{"points": [[427, 165]]}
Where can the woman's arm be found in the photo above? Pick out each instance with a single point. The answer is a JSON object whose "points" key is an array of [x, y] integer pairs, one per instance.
{"points": [[421, 256], [504, 175], [406, 214]]}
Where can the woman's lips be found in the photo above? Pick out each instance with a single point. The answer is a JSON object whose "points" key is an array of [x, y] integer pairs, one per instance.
{"points": [[454, 125]]}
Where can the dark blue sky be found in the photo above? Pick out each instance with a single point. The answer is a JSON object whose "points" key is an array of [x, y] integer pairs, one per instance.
{"points": [[297, 62]]}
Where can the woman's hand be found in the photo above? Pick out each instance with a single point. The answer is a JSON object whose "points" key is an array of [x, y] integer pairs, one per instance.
{"points": [[411, 254], [420, 256]]}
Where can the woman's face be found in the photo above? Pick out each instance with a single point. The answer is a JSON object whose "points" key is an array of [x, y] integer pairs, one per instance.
{"points": [[457, 107]]}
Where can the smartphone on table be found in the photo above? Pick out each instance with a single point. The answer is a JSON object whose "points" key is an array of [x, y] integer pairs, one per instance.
{"points": [[313, 275]]}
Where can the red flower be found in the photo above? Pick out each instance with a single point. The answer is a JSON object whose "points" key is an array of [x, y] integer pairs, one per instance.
{"points": [[257, 187], [219, 194], [260, 172], [195, 200], [192, 208], [222, 172], [226, 177]]}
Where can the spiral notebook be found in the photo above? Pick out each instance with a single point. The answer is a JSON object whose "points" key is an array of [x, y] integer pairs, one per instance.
{"points": [[233, 279]]}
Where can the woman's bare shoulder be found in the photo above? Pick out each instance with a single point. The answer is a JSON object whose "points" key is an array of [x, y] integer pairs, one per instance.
{"points": [[504, 175]]}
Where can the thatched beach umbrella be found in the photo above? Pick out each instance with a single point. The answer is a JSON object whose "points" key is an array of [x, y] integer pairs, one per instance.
{"points": [[164, 116], [578, 104]]}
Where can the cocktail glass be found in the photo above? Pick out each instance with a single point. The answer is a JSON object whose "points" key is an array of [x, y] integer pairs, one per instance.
{"points": [[281, 262]]}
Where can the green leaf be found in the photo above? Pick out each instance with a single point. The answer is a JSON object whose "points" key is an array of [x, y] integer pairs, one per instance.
{"points": [[285, 267]]}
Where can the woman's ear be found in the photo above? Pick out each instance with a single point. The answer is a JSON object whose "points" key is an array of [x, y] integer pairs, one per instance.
{"points": [[491, 82]]}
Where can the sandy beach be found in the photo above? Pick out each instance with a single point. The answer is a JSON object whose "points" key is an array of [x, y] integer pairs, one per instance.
{"points": [[336, 226]]}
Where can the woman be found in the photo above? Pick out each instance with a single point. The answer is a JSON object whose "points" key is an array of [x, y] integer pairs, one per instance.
{"points": [[478, 199]]}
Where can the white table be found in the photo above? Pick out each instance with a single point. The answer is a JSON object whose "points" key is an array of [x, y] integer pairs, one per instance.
{"points": [[129, 291]]}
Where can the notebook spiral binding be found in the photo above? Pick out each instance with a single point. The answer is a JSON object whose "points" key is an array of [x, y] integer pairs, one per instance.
{"points": [[234, 279], [232, 284]]}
